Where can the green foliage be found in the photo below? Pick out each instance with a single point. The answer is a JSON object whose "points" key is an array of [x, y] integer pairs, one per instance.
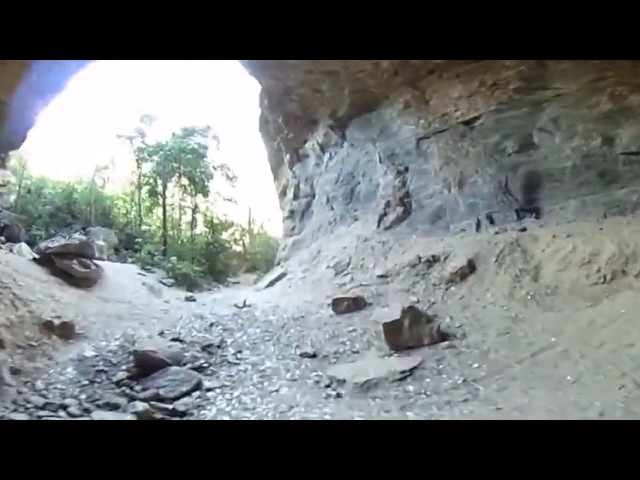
{"points": [[168, 206], [53, 207], [261, 252]]}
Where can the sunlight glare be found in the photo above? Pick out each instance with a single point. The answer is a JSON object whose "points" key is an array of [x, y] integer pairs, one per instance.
{"points": [[77, 131]]}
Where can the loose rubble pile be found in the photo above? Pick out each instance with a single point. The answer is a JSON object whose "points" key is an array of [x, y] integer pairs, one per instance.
{"points": [[72, 256], [236, 366], [94, 385], [447, 330], [71, 259], [222, 368]]}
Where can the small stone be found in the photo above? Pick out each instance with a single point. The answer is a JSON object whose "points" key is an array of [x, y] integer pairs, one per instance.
{"points": [[65, 330], [345, 305], [382, 273], [173, 383], [158, 354], [6, 378], [141, 410], [23, 250], [307, 352], [39, 386], [45, 414], [149, 395], [210, 385], [168, 282], [120, 377], [209, 347], [462, 272], [74, 412], [47, 327], [128, 393], [200, 366], [36, 401], [104, 415], [161, 408], [112, 402], [52, 406], [182, 407], [190, 297], [18, 416], [332, 394]]}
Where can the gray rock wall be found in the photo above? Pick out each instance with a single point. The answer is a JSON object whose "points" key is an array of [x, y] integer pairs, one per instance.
{"points": [[577, 124]]}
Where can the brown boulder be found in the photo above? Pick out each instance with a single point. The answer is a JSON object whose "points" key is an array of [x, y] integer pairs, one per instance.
{"points": [[413, 329], [153, 357], [14, 233], [71, 260], [344, 305]]}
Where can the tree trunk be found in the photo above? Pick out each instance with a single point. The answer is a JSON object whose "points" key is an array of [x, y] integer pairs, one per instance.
{"points": [[164, 220], [194, 220], [16, 203], [139, 199]]}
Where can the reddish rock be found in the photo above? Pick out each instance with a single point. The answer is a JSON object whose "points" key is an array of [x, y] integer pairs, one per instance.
{"points": [[48, 327], [413, 329], [463, 272], [344, 305], [149, 359], [65, 330]]}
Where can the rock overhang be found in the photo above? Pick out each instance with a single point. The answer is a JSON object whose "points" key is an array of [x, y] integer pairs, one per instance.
{"points": [[351, 140]]}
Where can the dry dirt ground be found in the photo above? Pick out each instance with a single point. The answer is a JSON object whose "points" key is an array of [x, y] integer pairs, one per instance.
{"points": [[546, 328]]}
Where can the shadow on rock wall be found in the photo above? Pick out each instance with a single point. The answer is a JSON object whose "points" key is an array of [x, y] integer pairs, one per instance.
{"points": [[401, 167]]}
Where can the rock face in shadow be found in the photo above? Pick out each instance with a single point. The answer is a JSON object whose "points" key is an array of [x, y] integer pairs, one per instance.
{"points": [[422, 146], [26, 88], [429, 146]]}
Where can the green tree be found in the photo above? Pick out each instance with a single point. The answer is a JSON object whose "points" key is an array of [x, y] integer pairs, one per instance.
{"points": [[170, 203], [136, 140]]}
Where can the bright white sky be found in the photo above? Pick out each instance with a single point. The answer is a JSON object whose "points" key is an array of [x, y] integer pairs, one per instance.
{"points": [[77, 131]]}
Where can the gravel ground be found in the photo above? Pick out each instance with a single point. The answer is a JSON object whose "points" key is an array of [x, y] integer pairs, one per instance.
{"points": [[538, 335], [253, 365]]}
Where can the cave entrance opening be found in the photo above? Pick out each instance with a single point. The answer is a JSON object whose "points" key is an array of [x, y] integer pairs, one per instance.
{"points": [[81, 130]]}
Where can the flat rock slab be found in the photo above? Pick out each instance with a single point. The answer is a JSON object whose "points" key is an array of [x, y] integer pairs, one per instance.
{"points": [[173, 383], [104, 415], [364, 371], [152, 356], [271, 279]]}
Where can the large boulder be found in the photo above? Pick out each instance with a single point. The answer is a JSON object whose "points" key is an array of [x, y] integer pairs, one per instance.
{"points": [[105, 241], [70, 259]]}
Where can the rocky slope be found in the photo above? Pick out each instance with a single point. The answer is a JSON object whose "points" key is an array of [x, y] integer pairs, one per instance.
{"points": [[544, 329]]}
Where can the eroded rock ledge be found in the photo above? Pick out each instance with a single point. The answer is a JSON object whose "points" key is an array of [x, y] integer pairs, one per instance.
{"points": [[419, 145], [427, 146]]}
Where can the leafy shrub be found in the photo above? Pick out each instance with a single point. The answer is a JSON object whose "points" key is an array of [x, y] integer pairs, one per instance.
{"points": [[167, 206]]}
